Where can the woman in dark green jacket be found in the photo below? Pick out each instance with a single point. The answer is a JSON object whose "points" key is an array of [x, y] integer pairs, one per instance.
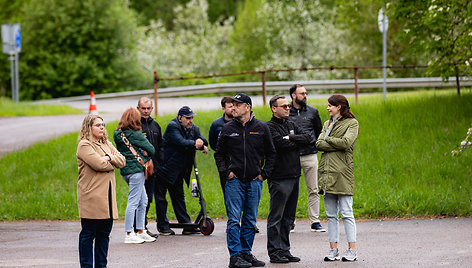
{"points": [[336, 174], [133, 173]]}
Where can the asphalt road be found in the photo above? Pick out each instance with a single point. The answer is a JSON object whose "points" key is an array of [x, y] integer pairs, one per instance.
{"points": [[405, 243]]}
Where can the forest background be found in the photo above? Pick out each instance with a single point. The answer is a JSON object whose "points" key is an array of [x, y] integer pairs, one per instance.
{"points": [[72, 47]]}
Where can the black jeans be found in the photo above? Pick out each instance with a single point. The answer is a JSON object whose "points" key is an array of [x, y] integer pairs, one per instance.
{"points": [[176, 193], [149, 184], [98, 230], [282, 210]]}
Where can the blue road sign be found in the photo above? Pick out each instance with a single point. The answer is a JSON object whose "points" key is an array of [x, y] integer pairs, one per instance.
{"points": [[18, 38]]}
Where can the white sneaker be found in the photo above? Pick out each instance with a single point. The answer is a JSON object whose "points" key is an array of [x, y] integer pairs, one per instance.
{"points": [[132, 238], [147, 238]]}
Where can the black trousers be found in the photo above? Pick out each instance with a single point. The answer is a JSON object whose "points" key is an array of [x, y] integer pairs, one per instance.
{"points": [[149, 184], [98, 231], [282, 210], [176, 193]]}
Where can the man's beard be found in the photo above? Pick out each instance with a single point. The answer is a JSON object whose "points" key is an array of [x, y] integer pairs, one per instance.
{"points": [[230, 115], [301, 102]]}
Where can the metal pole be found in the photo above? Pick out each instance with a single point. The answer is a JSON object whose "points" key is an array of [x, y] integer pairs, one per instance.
{"points": [[17, 77], [356, 87], [458, 83], [156, 82], [12, 69], [384, 61], [264, 90]]}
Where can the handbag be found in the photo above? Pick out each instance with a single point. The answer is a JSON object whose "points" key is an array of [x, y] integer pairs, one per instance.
{"points": [[148, 166]]}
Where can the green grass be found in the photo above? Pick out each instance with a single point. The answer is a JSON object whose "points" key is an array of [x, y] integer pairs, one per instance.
{"points": [[402, 165], [11, 108]]}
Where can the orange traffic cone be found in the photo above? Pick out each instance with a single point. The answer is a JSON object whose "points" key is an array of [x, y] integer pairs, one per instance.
{"points": [[93, 104]]}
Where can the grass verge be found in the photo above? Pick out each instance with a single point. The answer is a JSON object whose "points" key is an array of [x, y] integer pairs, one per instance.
{"points": [[11, 108], [402, 165]]}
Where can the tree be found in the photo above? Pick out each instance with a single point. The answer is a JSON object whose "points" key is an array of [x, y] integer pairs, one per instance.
{"points": [[162, 10], [359, 20], [443, 28], [194, 46], [288, 34], [73, 47]]}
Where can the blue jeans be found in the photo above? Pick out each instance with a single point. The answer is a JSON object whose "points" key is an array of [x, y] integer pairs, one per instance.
{"points": [[241, 198], [137, 201], [98, 230], [333, 204]]}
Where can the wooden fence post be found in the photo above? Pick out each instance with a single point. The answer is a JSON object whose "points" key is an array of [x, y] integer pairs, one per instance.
{"points": [[356, 87], [458, 83], [156, 82], [264, 90]]}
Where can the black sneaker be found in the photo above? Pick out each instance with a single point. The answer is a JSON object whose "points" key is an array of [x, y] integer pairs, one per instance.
{"points": [[278, 257], [292, 227], [152, 234], [316, 227], [189, 231], [255, 262], [237, 261], [167, 231], [257, 230], [290, 257]]}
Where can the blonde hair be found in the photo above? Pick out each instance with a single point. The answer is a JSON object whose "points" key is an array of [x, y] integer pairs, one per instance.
{"points": [[86, 130], [131, 119]]}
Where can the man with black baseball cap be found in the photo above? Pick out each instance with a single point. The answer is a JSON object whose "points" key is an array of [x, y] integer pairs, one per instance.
{"points": [[245, 156], [181, 139]]}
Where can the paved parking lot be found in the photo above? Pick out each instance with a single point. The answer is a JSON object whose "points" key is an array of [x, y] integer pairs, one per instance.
{"points": [[405, 243]]}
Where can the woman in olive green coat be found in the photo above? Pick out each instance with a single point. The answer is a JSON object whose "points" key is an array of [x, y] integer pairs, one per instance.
{"points": [[336, 174]]}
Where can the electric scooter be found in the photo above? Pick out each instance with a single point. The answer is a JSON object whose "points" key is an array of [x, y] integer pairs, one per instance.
{"points": [[203, 222]]}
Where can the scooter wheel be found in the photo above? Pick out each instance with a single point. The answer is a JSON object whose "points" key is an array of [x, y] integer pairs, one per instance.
{"points": [[207, 226]]}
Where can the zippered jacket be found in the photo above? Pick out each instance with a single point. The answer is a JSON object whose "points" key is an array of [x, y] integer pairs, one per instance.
{"points": [[246, 150], [336, 167], [179, 151], [152, 131], [215, 129], [287, 163], [139, 143], [308, 119]]}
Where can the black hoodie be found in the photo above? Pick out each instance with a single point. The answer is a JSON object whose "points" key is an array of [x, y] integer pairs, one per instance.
{"points": [[246, 150]]}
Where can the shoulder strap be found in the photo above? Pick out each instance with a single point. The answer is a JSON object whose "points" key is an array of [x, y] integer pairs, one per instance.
{"points": [[131, 148]]}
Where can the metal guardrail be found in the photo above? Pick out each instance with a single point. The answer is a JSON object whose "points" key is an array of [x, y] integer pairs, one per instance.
{"points": [[311, 85]]}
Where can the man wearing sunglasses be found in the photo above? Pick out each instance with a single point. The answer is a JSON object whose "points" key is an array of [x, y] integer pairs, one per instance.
{"points": [[308, 119], [284, 180]]}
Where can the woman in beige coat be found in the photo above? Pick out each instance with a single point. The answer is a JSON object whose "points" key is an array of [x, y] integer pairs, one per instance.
{"points": [[96, 197]]}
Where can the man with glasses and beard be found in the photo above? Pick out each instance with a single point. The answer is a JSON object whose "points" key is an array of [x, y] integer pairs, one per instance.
{"points": [[308, 119], [283, 182]]}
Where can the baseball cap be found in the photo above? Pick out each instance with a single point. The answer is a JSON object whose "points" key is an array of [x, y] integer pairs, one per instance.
{"points": [[186, 111], [243, 98]]}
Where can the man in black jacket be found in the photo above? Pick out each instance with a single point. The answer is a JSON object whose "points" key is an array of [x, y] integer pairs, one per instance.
{"points": [[283, 182], [245, 156], [181, 139], [308, 119], [152, 131]]}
